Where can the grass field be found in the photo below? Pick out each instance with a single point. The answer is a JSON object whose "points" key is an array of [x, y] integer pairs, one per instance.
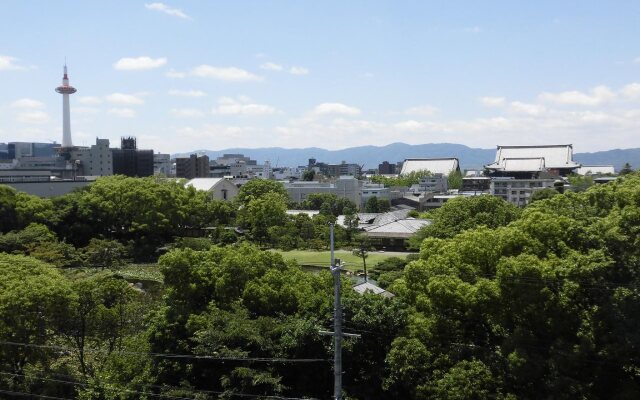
{"points": [[142, 272], [322, 258]]}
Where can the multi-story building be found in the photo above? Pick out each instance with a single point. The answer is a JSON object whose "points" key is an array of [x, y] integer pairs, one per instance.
{"points": [[438, 183], [346, 186], [229, 159], [263, 171], [343, 169], [377, 190], [386, 168], [92, 161], [192, 167], [518, 191], [286, 173], [162, 164], [129, 161], [476, 184], [18, 150]]}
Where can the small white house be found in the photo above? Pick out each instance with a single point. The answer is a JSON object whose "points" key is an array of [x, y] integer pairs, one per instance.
{"points": [[218, 188]]}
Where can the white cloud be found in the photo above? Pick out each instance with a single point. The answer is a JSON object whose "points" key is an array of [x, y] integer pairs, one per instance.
{"points": [[125, 99], [489, 101], [139, 63], [631, 91], [410, 125], [89, 100], [186, 113], [175, 74], [122, 112], [298, 70], [293, 70], [8, 63], [27, 103], [269, 66], [335, 109], [526, 108], [231, 74], [187, 93], [596, 96], [425, 110], [636, 60], [161, 7], [242, 106], [33, 117]]}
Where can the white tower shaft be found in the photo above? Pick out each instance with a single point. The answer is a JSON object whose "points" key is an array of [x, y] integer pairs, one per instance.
{"points": [[66, 122]]}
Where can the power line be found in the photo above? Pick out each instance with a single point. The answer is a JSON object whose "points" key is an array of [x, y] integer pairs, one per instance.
{"points": [[41, 396], [191, 391], [169, 355]]}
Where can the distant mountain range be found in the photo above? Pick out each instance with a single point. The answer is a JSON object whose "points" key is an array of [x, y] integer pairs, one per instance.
{"points": [[371, 156]]}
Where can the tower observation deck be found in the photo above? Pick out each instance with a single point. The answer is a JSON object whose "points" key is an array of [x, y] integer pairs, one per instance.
{"points": [[65, 90]]}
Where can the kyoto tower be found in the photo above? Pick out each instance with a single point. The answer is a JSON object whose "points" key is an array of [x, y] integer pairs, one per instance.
{"points": [[65, 90]]}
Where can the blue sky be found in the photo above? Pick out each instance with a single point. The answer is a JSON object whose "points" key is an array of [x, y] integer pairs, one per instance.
{"points": [[210, 74]]}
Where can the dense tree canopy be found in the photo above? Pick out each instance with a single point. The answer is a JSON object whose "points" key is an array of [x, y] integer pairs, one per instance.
{"points": [[500, 302], [242, 302], [328, 204], [256, 188], [409, 179], [539, 308], [461, 213]]}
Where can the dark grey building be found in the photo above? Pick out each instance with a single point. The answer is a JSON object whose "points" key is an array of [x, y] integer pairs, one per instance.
{"points": [[129, 161], [192, 167], [386, 169]]}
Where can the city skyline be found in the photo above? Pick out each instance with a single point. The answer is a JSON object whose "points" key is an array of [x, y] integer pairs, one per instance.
{"points": [[183, 76]]}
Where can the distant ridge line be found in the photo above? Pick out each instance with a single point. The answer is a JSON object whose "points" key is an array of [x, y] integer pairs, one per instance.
{"points": [[371, 156]]}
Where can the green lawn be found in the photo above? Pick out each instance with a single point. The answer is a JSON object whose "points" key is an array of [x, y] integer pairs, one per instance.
{"points": [[130, 272], [322, 258], [142, 272]]}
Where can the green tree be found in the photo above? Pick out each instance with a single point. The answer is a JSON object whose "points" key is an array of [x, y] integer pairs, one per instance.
{"points": [[454, 180], [257, 188], [527, 309], [626, 169], [328, 204], [362, 246], [384, 205], [409, 179], [99, 317], [28, 238], [580, 183], [262, 213], [34, 298], [145, 211], [543, 194], [463, 213], [19, 209], [104, 253], [308, 175], [371, 206]]}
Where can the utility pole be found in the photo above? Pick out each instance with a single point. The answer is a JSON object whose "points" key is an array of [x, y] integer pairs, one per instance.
{"points": [[336, 268], [337, 323]]}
